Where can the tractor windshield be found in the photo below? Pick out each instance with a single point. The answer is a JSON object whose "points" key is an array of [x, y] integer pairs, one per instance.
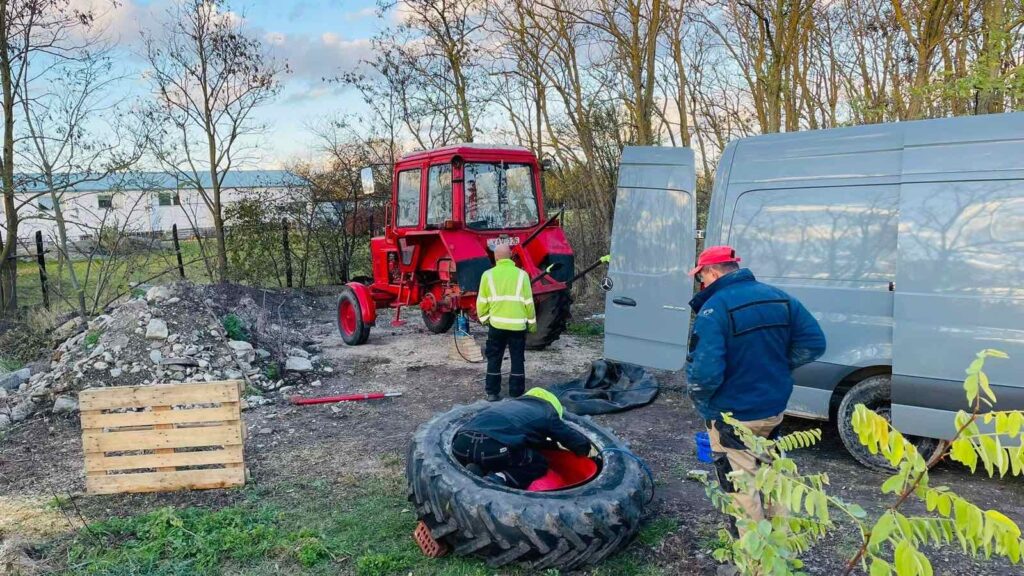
{"points": [[499, 196]]}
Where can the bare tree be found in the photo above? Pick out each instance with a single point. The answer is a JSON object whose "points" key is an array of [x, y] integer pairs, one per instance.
{"points": [[42, 32], [76, 135], [209, 77]]}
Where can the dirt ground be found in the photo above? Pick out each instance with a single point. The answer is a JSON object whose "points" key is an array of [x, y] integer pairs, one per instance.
{"points": [[42, 457]]}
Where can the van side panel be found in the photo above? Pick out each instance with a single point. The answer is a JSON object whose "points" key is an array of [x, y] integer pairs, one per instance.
{"points": [[958, 279], [819, 220]]}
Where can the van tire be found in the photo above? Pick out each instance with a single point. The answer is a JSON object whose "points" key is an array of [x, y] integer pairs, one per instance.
{"points": [[564, 530], [876, 393]]}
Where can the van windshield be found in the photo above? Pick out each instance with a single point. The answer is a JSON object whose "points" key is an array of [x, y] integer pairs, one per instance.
{"points": [[499, 196]]}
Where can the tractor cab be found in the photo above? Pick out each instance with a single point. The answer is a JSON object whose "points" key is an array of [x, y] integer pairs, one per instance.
{"points": [[449, 208]]}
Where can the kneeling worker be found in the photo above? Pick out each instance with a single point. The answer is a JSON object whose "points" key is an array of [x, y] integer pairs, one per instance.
{"points": [[500, 443]]}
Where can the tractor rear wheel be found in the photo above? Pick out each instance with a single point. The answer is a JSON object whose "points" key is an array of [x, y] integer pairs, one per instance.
{"points": [[350, 319], [438, 322], [552, 319]]}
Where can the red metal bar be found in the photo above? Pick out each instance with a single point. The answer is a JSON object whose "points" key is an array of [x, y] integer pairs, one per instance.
{"points": [[344, 398]]}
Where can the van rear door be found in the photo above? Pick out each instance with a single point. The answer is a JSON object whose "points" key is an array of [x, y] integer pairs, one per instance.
{"points": [[647, 314]]}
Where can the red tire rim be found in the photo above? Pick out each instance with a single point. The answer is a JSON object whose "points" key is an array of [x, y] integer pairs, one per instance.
{"points": [[347, 317], [434, 315]]}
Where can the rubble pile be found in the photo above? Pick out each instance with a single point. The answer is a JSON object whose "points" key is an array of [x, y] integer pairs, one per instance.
{"points": [[171, 334]]}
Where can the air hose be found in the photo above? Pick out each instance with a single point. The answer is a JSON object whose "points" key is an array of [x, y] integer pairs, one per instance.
{"points": [[462, 327]]}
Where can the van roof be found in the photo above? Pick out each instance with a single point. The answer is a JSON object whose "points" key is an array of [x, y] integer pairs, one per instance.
{"points": [[963, 144]]}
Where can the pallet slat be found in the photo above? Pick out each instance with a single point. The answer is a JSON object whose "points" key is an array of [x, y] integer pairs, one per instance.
{"points": [[153, 439], [165, 481], [227, 455], [159, 395], [160, 430], [97, 419]]}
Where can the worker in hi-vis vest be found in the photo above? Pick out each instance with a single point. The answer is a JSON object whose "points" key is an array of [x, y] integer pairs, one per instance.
{"points": [[504, 303]]}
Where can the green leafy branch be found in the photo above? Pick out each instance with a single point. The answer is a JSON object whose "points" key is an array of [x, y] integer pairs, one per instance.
{"points": [[987, 531], [800, 507]]}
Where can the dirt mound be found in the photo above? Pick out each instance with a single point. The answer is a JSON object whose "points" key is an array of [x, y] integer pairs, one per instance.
{"points": [[170, 334]]}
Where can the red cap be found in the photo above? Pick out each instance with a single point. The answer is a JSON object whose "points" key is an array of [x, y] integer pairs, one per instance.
{"points": [[715, 255]]}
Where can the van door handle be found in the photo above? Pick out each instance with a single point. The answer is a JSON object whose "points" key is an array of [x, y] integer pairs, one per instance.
{"points": [[623, 301]]}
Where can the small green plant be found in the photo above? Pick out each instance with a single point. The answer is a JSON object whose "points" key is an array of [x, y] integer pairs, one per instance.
{"points": [[272, 371], [10, 365], [895, 542], [235, 327], [91, 339], [586, 328], [138, 292]]}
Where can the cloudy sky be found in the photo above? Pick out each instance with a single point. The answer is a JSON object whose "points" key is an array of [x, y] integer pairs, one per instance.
{"points": [[318, 38]]}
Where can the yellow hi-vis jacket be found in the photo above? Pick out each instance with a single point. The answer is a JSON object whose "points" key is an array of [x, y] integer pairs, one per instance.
{"points": [[505, 299]]}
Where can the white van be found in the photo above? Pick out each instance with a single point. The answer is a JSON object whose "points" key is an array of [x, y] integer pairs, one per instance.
{"points": [[906, 242]]}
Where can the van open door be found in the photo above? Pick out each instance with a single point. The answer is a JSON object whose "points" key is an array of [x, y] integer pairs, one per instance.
{"points": [[647, 315]]}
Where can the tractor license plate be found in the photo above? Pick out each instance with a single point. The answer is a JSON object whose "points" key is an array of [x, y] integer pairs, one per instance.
{"points": [[493, 243]]}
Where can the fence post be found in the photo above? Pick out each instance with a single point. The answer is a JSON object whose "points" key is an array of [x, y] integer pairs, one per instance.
{"points": [[41, 260], [177, 251], [287, 253]]}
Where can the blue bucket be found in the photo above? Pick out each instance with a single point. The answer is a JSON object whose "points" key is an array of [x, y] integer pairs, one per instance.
{"points": [[703, 447]]}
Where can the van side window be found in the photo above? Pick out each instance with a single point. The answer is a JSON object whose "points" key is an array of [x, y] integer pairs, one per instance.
{"points": [[963, 237], [407, 212], [439, 194], [843, 233]]}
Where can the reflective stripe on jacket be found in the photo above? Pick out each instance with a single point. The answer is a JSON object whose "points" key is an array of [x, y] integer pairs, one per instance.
{"points": [[505, 299]]}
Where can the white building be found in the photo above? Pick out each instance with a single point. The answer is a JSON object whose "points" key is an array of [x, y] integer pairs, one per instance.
{"points": [[147, 203]]}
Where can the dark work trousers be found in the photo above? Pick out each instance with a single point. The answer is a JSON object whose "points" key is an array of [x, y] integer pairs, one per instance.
{"points": [[497, 340], [520, 465]]}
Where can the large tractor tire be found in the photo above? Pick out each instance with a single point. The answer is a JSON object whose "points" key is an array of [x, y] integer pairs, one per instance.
{"points": [[875, 393], [565, 529], [552, 319], [354, 331]]}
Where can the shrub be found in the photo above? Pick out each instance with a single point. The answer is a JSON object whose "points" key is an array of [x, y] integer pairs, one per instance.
{"points": [[235, 327], [894, 542]]}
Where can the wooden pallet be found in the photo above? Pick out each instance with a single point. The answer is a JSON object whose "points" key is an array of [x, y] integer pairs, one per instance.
{"points": [[162, 438]]}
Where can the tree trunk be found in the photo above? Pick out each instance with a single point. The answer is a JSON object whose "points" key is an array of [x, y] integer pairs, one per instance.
{"points": [[8, 264]]}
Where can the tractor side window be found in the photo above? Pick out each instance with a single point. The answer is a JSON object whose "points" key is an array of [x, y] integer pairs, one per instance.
{"points": [[439, 194], [407, 212], [499, 196]]}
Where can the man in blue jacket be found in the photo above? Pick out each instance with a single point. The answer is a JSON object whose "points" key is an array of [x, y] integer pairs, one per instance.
{"points": [[747, 339]]}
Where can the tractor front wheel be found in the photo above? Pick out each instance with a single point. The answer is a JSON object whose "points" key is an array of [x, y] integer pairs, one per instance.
{"points": [[437, 321], [354, 331], [552, 319]]}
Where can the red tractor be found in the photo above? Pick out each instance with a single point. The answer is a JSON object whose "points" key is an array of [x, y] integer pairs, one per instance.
{"points": [[449, 208]]}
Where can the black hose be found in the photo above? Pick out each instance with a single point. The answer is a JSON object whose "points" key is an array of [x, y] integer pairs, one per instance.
{"points": [[455, 339]]}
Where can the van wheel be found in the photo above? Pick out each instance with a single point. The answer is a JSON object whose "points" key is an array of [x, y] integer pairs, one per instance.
{"points": [[876, 393]]}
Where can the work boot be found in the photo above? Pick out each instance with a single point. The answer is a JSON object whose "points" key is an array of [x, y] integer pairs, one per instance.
{"points": [[493, 397], [497, 478]]}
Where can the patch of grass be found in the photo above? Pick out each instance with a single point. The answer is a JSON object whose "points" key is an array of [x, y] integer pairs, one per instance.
{"points": [[652, 534], [586, 328], [91, 339], [712, 540], [296, 528], [10, 365], [352, 525], [272, 371], [235, 327]]}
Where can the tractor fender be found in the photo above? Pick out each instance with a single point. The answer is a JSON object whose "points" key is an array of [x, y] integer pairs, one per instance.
{"points": [[366, 303]]}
